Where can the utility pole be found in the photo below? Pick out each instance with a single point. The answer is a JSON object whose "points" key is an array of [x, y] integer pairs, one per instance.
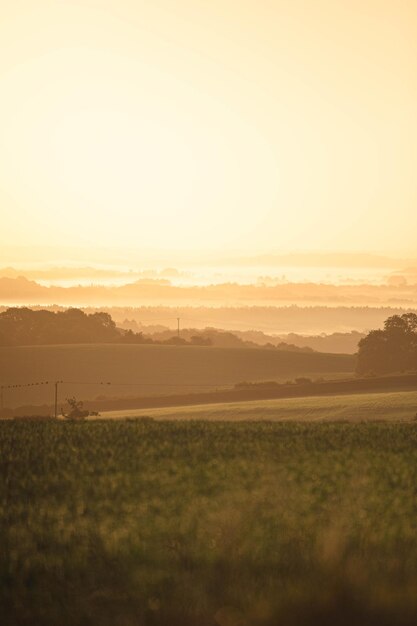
{"points": [[56, 397], [178, 329], [1, 400]]}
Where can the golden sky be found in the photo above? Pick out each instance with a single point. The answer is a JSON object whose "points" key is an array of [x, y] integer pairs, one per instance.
{"points": [[268, 125]]}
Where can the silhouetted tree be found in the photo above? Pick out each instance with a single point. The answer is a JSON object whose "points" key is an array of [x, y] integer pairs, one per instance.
{"points": [[76, 409], [393, 349]]}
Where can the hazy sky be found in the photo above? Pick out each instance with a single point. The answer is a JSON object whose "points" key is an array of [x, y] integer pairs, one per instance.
{"points": [[256, 126]]}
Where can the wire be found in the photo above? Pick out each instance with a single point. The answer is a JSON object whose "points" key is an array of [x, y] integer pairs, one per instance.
{"points": [[137, 384], [131, 384], [24, 385]]}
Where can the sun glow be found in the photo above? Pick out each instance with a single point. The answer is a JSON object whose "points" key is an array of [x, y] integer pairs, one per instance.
{"points": [[185, 126]]}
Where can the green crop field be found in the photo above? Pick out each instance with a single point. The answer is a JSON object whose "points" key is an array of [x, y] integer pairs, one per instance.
{"points": [[193, 523], [395, 406], [151, 367]]}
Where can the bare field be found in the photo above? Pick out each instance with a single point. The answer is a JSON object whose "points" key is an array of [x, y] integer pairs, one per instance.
{"points": [[151, 369], [396, 406]]}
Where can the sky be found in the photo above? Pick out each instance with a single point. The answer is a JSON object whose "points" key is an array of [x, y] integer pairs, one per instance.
{"points": [[209, 125]]}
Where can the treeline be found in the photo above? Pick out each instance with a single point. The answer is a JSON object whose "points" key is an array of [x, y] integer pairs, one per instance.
{"points": [[277, 321], [21, 326], [160, 290], [225, 339]]}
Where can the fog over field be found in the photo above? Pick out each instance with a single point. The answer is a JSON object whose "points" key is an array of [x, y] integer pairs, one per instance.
{"points": [[305, 279]]}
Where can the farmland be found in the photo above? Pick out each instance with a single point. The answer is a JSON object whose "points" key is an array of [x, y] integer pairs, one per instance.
{"points": [[194, 523], [152, 367], [354, 407]]}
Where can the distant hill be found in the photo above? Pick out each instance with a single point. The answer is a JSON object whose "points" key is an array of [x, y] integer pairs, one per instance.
{"points": [[24, 291], [338, 343], [20, 326], [230, 339]]}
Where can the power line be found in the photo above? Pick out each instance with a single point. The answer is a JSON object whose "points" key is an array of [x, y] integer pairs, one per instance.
{"points": [[56, 384], [24, 385], [116, 384], [143, 384], [17, 386]]}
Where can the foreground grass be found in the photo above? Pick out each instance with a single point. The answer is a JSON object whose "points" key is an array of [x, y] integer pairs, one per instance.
{"points": [[194, 523]]}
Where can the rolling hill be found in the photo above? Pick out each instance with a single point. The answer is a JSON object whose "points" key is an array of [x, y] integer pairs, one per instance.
{"points": [[142, 369]]}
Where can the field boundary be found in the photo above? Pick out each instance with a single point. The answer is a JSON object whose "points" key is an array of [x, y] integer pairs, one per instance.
{"points": [[248, 393]]}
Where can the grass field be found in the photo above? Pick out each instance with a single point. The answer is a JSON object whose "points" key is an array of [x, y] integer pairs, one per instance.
{"points": [[151, 367], [138, 522], [396, 406]]}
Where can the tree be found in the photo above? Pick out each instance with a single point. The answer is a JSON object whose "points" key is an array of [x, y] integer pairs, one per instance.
{"points": [[393, 349], [76, 409]]}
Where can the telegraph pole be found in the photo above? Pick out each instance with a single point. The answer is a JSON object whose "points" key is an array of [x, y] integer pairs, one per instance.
{"points": [[56, 397], [178, 327]]}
